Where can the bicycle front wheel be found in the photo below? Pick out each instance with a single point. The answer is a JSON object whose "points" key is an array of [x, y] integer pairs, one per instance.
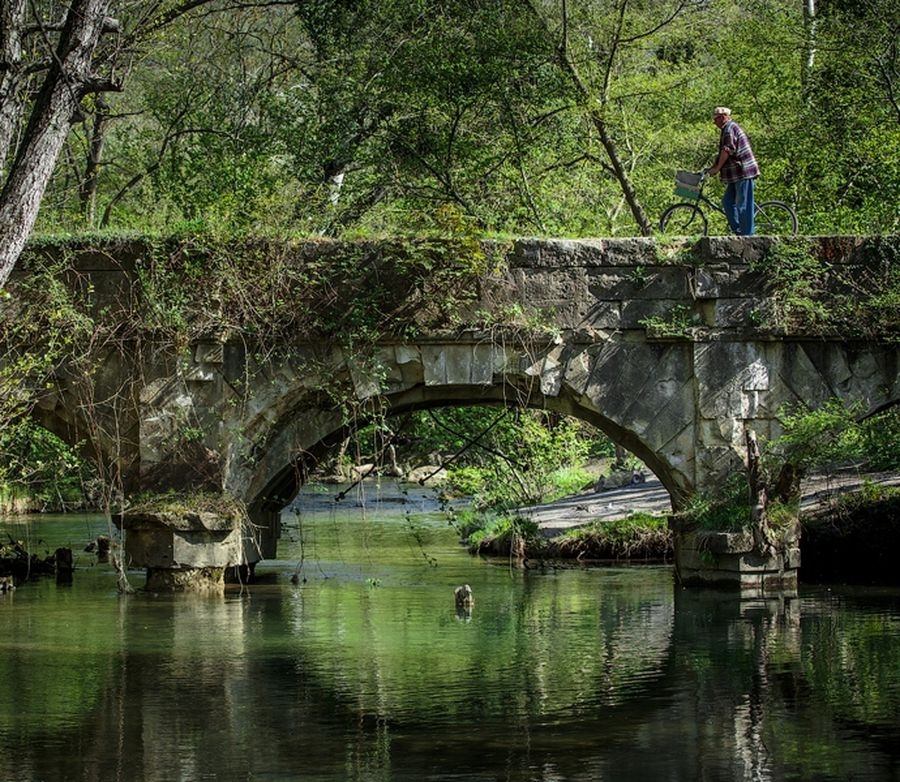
{"points": [[774, 218], [683, 220]]}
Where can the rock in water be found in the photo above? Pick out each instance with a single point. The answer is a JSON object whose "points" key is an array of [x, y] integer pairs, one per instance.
{"points": [[464, 597]]}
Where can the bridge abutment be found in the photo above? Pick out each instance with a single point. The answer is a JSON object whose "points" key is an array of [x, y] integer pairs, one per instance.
{"points": [[192, 548], [736, 561], [197, 580]]}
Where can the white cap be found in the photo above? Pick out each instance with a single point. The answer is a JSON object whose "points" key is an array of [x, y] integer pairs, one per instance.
{"points": [[722, 110]]}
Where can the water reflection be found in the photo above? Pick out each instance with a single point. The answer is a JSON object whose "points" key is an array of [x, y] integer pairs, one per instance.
{"points": [[364, 672]]}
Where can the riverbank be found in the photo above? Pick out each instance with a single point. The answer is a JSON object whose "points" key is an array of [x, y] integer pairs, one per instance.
{"points": [[853, 536], [851, 527]]}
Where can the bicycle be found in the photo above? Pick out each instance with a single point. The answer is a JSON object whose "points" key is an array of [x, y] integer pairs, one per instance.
{"points": [[686, 218]]}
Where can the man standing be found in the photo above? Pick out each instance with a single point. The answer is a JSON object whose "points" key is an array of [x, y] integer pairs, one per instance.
{"points": [[738, 169]]}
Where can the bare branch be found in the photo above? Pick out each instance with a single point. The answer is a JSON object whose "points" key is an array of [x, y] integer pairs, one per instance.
{"points": [[647, 33], [183, 9]]}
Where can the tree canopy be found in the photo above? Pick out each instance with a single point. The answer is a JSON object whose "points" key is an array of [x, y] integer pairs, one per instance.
{"points": [[379, 116]]}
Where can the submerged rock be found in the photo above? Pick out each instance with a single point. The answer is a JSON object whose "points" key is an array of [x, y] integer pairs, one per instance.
{"points": [[17, 564], [464, 596]]}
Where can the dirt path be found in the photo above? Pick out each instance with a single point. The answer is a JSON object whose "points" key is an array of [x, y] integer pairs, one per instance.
{"points": [[556, 517]]}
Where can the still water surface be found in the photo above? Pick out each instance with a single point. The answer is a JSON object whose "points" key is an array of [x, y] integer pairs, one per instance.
{"points": [[363, 670]]}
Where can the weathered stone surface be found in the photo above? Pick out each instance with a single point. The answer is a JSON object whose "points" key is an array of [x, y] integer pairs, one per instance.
{"points": [[160, 547], [187, 521], [167, 540], [463, 365], [738, 314], [427, 475], [728, 560], [636, 311], [208, 580], [738, 560]]}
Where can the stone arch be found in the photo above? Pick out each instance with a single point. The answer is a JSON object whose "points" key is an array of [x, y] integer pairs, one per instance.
{"points": [[60, 416], [281, 471], [641, 395]]}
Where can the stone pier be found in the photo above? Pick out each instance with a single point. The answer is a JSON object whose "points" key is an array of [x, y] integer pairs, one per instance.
{"points": [[735, 561]]}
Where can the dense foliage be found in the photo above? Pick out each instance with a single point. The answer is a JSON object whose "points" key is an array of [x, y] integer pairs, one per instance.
{"points": [[836, 435], [504, 458], [38, 471], [499, 457], [529, 117]]}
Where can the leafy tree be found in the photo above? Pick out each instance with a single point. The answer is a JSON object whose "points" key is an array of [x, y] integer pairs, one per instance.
{"points": [[835, 434], [854, 113], [39, 466], [507, 457], [529, 116], [443, 105], [620, 57], [49, 66]]}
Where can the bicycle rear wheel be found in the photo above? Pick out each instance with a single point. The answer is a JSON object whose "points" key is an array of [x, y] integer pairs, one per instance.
{"points": [[683, 220], [774, 218]]}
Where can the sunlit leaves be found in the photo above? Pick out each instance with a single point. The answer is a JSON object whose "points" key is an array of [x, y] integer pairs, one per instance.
{"points": [[369, 117]]}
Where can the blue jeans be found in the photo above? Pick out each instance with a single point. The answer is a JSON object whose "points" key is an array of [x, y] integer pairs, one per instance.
{"points": [[739, 206]]}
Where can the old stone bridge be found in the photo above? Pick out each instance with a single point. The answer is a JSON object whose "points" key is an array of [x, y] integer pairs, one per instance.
{"points": [[675, 351]]}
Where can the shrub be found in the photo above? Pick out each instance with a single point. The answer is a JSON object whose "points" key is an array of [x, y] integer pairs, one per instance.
{"points": [[638, 536]]}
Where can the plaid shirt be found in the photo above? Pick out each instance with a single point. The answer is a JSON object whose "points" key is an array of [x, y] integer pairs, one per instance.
{"points": [[741, 164]]}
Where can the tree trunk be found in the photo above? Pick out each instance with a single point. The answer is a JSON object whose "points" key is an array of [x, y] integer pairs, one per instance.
{"points": [[758, 498], [810, 22], [87, 190], [66, 82], [597, 116], [12, 21], [621, 174]]}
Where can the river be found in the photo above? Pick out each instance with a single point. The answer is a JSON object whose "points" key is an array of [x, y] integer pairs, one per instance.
{"points": [[347, 660]]}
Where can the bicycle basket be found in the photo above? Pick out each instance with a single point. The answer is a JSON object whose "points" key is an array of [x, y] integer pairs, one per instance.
{"points": [[687, 184]]}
